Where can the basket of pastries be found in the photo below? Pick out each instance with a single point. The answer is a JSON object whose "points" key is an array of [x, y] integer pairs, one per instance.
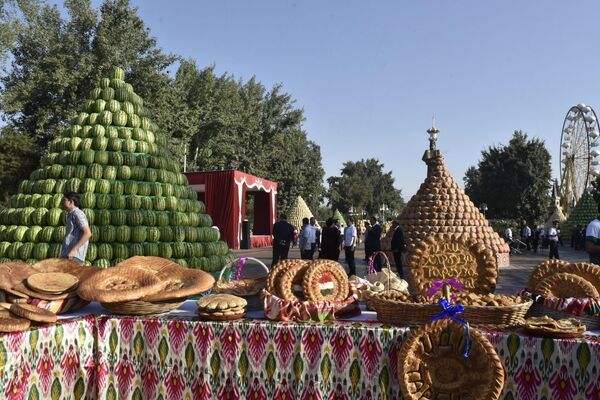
{"points": [[305, 290], [144, 285], [18, 317], [563, 290], [398, 308], [445, 360], [50, 284], [378, 281], [554, 328], [232, 280]]}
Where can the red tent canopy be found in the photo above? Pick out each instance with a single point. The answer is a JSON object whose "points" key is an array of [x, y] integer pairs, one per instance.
{"points": [[224, 194]]}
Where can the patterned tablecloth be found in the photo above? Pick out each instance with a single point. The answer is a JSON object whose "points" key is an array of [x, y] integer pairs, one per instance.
{"points": [[177, 357]]}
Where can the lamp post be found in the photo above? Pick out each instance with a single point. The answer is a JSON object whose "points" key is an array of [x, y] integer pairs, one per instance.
{"points": [[483, 207], [383, 210]]}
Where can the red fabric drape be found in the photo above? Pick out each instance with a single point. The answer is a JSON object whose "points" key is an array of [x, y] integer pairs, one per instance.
{"points": [[263, 224], [222, 205]]}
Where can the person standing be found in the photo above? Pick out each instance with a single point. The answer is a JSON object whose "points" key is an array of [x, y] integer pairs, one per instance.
{"points": [[309, 240], [526, 235], [283, 234], [374, 242], [508, 235], [535, 241], [398, 246], [366, 241], [592, 239], [78, 233], [301, 239], [350, 241], [553, 241]]}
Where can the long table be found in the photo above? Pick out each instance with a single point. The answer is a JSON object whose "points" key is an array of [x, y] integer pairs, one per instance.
{"points": [[175, 356]]}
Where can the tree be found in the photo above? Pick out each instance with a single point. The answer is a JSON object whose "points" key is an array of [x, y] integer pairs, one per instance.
{"points": [[513, 180], [212, 122], [364, 186], [17, 156]]}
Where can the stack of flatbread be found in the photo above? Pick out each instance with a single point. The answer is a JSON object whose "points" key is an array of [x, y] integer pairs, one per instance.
{"points": [[550, 327], [221, 307], [141, 281], [18, 317]]}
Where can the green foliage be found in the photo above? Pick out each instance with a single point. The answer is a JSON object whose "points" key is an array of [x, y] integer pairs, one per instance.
{"points": [[364, 187], [17, 158], [212, 122], [513, 180]]}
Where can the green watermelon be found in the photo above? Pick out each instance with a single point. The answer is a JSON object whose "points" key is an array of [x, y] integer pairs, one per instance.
{"points": [[97, 131], [103, 186], [100, 143], [73, 185], [105, 251], [165, 250], [101, 263], [115, 144], [33, 233], [178, 233], [153, 234], [117, 189], [95, 233], [25, 251], [120, 251], [125, 133], [116, 159], [136, 249], [118, 217], [166, 233], [110, 173], [89, 185], [120, 118], [102, 217], [127, 107], [92, 252], [151, 249], [178, 250], [131, 187], [133, 202], [53, 216], [123, 234], [39, 216], [103, 201], [40, 251], [171, 203], [59, 234], [129, 145], [124, 172], [54, 250], [87, 156], [135, 218], [139, 234], [89, 213], [88, 200], [118, 203], [108, 94], [113, 106]]}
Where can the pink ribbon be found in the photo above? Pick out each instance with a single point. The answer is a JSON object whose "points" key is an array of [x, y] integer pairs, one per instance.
{"points": [[438, 284], [237, 274]]}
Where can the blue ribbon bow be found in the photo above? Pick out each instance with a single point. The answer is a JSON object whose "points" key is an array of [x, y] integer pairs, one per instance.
{"points": [[451, 311]]}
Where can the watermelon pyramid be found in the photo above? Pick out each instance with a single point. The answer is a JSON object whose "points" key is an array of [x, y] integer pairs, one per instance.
{"points": [[136, 200], [584, 212], [338, 215]]}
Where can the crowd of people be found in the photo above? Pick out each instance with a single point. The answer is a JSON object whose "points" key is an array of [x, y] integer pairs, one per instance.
{"points": [[329, 241]]}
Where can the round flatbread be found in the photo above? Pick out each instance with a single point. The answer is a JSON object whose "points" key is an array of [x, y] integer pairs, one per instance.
{"points": [[57, 265], [22, 288], [12, 324], [431, 364], [220, 317], [161, 267], [325, 280], [543, 270], [12, 273], [32, 313], [220, 302], [274, 277], [290, 282], [118, 284], [52, 282], [565, 285], [186, 282]]}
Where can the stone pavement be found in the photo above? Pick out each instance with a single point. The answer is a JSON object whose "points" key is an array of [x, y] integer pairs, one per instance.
{"points": [[512, 278]]}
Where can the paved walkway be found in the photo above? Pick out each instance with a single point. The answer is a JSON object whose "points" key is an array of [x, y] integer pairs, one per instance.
{"points": [[512, 278]]}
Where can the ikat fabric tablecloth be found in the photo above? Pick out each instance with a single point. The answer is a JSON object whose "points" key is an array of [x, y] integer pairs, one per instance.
{"points": [[107, 357]]}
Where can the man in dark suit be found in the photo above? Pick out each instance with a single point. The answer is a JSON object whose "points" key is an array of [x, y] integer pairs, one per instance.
{"points": [[398, 246], [283, 234], [374, 242]]}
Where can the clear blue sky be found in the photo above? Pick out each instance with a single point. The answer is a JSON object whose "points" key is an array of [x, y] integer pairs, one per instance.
{"points": [[369, 75]]}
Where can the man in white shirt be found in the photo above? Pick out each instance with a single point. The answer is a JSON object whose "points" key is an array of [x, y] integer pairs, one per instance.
{"points": [[508, 235], [309, 240], [592, 239], [350, 238], [553, 241]]}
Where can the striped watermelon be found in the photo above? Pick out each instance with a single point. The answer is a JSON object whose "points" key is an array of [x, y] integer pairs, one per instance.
{"points": [[118, 217], [139, 234], [95, 234], [88, 200], [120, 118], [131, 187], [146, 202], [151, 249], [135, 218], [118, 203], [108, 94], [150, 218], [156, 189], [129, 159], [88, 186], [25, 251], [105, 251], [95, 93], [54, 250], [39, 216], [137, 173], [93, 117], [33, 232], [87, 156], [142, 147], [73, 185], [105, 117], [178, 250], [165, 250], [191, 235], [40, 251], [117, 188], [103, 201], [103, 186], [136, 249], [100, 143], [53, 216], [159, 203], [116, 159], [59, 234], [162, 218], [120, 251], [97, 131], [102, 216], [123, 234], [153, 234], [127, 107], [178, 233], [144, 189], [13, 250], [92, 252], [129, 145], [89, 213], [166, 233], [102, 263], [124, 172], [115, 144], [110, 173], [171, 203], [133, 202], [113, 106], [125, 133], [95, 171]]}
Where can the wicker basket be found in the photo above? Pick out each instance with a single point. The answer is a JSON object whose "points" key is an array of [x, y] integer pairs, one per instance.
{"points": [[63, 306], [592, 322], [248, 288], [139, 307], [395, 312]]}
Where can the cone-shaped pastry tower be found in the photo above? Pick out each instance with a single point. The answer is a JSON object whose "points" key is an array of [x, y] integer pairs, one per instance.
{"points": [[136, 200], [584, 212], [299, 211], [441, 206]]}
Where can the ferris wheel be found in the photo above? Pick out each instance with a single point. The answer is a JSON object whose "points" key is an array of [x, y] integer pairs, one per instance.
{"points": [[579, 157]]}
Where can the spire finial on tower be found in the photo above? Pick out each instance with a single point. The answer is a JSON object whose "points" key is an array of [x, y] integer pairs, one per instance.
{"points": [[433, 134]]}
